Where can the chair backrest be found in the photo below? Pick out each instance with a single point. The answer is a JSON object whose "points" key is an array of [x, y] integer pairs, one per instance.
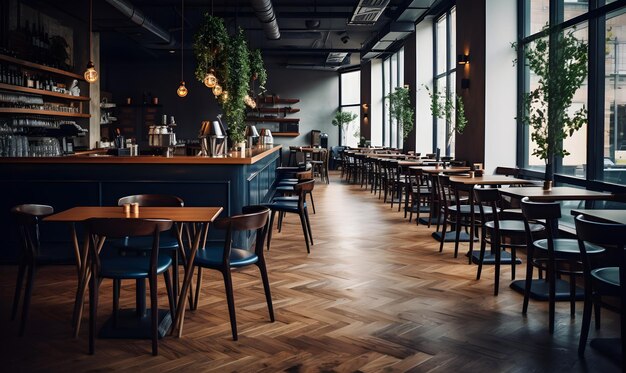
{"points": [[253, 218], [488, 197], [304, 175], [27, 218], [152, 200], [543, 213], [507, 171], [99, 229], [611, 236]]}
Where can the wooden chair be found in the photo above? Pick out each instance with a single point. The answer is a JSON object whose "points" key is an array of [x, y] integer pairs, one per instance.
{"points": [[419, 195], [32, 255], [117, 267], [286, 190], [319, 163], [298, 207], [604, 278], [549, 252], [500, 231], [454, 209], [222, 256]]}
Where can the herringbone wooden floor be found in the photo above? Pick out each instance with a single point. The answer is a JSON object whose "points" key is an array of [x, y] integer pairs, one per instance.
{"points": [[373, 295]]}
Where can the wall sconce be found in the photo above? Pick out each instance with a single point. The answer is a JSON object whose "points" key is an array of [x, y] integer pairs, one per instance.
{"points": [[465, 83], [463, 59], [365, 107]]}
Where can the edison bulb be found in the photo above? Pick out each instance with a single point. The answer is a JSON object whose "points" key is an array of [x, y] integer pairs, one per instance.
{"points": [[224, 96], [249, 101], [182, 90], [210, 80], [217, 90], [91, 75]]}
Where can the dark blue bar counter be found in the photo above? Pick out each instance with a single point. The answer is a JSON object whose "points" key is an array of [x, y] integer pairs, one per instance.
{"points": [[96, 180]]}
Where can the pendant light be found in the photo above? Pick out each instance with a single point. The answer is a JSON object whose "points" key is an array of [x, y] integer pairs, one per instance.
{"points": [[210, 80], [182, 90], [217, 90], [91, 75]]}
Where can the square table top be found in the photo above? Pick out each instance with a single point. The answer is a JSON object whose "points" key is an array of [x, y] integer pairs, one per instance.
{"points": [[561, 193], [603, 215], [489, 180], [177, 214]]}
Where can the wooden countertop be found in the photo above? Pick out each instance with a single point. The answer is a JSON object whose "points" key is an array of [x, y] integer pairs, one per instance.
{"points": [[251, 156]]}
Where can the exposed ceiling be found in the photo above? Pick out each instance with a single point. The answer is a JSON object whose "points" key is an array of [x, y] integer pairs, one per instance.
{"points": [[319, 34]]}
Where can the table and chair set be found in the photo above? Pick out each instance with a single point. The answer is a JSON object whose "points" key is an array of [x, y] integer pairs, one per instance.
{"points": [[504, 213], [146, 237]]}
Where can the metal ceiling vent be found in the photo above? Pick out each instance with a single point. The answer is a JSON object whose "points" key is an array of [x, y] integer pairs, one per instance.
{"points": [[140, 19], [265, 13], [336, 58], [367, 12]]}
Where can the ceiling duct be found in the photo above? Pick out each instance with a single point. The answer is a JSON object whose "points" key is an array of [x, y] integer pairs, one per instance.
{"points": [[140, 19], [367, 12], [265, 13], [336, 58]]}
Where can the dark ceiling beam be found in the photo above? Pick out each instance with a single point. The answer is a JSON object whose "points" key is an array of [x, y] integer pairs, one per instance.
{"points": [[288, 51], [281, 15]]}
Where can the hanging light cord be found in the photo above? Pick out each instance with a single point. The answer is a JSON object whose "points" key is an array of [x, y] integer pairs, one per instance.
{"points": [[90, 25], [182, 38]]}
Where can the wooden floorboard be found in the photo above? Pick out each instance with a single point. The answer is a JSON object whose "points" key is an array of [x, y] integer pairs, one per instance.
{"points": [[374, 295]]}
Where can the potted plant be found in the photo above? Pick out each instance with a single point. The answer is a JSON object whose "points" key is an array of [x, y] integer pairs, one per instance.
{"points": [[444, 107], [342, 119], [559, 60], [257, 69], [237, 86], [401, 110]]}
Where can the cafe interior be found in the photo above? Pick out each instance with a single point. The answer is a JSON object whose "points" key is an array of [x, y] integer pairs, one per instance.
{"points": [[313, 185]]}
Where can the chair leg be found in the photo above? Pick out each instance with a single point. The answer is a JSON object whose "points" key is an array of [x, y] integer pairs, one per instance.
{"points": [[597, 312], [584, 331], [194, 305], [308, 224], [266, 287], [93, 312], [230, 299], [269, 230], [529, 278], [116, 300], [19, 283], [572, 296], [495, 247], [312, 201], [551, 294], [457, 236], [305, 231], [154, 311], [481, 256], [443, 233], [170, 291], [30, 279], [513, 262]]}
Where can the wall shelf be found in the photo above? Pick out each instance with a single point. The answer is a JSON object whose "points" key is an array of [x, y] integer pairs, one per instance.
{"points": [[37, 66], [43, 112], [42, 92], [277, 110], [285, 134], [273, 120]]}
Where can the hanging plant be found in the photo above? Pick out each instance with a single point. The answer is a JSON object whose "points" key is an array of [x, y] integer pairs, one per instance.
{"points": [[401, 110], [237, 85], [209, 46], [257, 69]]}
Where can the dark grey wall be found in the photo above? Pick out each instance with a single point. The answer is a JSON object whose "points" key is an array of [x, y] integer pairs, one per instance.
{"points": [[318, 93]]}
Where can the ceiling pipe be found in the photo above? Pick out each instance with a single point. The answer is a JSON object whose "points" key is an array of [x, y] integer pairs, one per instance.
{"points": [[135, 15], [265, 13]]}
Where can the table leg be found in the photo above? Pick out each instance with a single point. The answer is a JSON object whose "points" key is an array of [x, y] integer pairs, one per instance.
{"points": [[472, 221], [182, 302], [83, 280]]}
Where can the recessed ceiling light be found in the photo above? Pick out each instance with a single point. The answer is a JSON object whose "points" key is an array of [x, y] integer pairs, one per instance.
{"points": [[172, 51]]}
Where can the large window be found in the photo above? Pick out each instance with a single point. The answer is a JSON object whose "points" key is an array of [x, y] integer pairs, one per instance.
{"points": [[393, 77], [598, 150], [445, 77], [350, 99]]}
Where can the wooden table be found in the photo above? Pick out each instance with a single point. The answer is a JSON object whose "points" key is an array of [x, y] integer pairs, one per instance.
{"points": [[468, 183], [539, 289], [603, 215], [198, 217], [432, 170], [560, 193]]}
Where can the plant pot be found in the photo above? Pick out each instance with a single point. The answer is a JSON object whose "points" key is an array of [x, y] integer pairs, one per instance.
{"points": [[547, 185], [241, 146]]}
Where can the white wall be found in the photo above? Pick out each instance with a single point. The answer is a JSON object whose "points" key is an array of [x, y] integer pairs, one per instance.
{"points": [[318, 92], [424, 62], [500, 84], [376, 107]]}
